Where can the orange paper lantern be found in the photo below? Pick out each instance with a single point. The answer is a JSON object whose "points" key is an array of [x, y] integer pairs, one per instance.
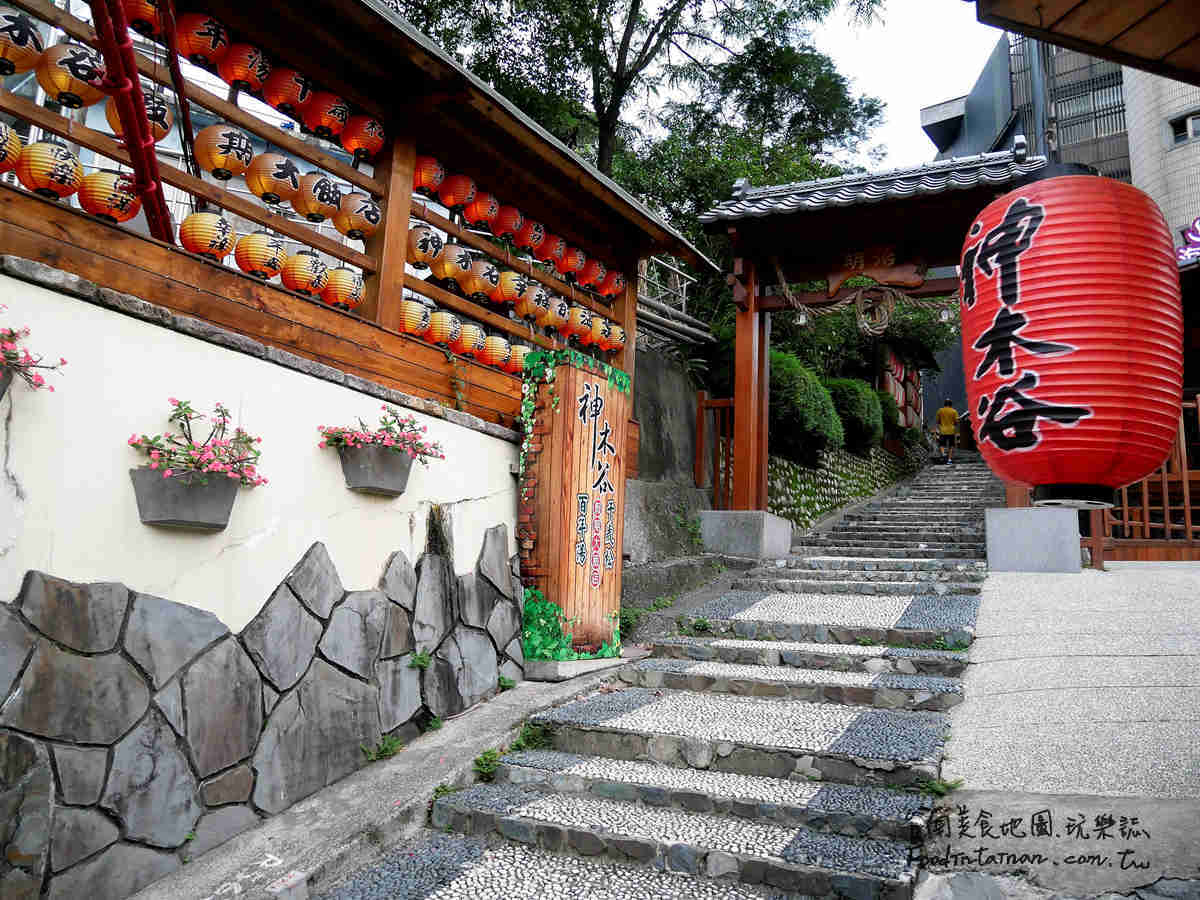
{"points": [[260, 254], [507, 223], [49, 169], [617, 340], [363, 136], [601, 332], [554, 316], [480, 281], [510, 286], [452, 263], [10, 147], [305, 273], [444, 327], [158, 113], [496, 351], [592, 273], [424, 244], [325, 114], [245, 67], [578, 326], [223, 151], [414, 317], [530, 235], [516, 359], [65, 72], [207, 234], [482, 210], [288, 91], [142, 16], [318, 197], [358, 216], [108, 196], [532, 301], [20, 43], [469, 341], [613, 284], [344, 289], [456, 191], [273, 178], [201, 38], [428, 176], [571, 263], [551, 249]]}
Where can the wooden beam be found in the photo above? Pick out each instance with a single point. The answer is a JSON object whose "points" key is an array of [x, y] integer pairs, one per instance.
{"points": [[389, 243], [474, 311], [701, 421], [104, 145], [746, 397], [82, 31], [624, 313], [763, 411]]}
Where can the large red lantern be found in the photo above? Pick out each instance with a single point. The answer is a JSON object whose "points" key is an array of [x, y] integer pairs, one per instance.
{"points": [[245, 67], [428, 175], [571, 263], [358, 216], [1072, 337], [273, 178], [510, 286], [456, 191], [223, 151], [551, 249], [613, 283], [482, 210], [507, 223], [530, 235], [363, 136], [325, 115], [516, 359], [202, 39], [593, 273], [142, 16], [288, 91]]}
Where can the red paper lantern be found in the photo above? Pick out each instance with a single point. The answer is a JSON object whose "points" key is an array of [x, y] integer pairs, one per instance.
{"points": [[1072, 337], [509, 288], [554, 316], [551, 249], [456, 191], [496, 351], [482, 210], [363, 136], [223, 151], [142, 16], [325, 114], [358, 216], [424, 244], [613, 284], [593, 273], [452, 263], [571, 264], [480, 280], [507, 223], [617, 340], [531, 300], [578, 325], [245, 67], [428, 176], [530, 235], [317, 198], [202, 39], [273, 178], [601, 332], [288, 91]]}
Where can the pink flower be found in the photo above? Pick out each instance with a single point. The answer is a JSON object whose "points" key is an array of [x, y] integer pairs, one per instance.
{"points": [[167, 473], [172, 401], [61, 361], [153, 464]]}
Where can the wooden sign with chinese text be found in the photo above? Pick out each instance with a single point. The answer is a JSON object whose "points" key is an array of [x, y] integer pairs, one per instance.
{"points": [[573, 499], [878, 263]]}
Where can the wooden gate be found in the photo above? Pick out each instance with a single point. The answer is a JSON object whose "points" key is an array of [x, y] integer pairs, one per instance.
{"points": [[714, 455]]}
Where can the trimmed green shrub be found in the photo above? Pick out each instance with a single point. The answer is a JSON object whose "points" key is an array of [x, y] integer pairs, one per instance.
{"points": [[891, 412], [857, 406], [803, 421]]}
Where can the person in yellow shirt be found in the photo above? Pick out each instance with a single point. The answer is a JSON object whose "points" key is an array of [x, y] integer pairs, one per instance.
{"points": [[947, 420]]}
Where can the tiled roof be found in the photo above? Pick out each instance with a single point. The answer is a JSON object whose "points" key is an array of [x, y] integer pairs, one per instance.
{"points": [[957, 173]]}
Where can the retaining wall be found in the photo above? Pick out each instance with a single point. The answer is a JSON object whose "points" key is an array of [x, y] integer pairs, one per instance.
{"points": [[803, 495]]}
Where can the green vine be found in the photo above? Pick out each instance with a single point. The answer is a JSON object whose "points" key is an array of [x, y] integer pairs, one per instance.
{"points": [[547, 634]]}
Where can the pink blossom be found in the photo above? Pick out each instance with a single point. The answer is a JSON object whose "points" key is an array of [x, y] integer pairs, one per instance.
{"points": [[167, 473]]}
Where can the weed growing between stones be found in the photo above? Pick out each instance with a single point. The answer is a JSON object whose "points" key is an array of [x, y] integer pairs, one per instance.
{"points": [[866, 642], [532, 737], [434, 724], [420, 660], [936, 787], [939, 644], [486, 764], [691, 528], [505, 683], [663, 603], [443, 790], [389, 745]]}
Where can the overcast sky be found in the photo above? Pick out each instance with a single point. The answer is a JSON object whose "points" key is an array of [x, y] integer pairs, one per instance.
{"points": [[921, 53]]}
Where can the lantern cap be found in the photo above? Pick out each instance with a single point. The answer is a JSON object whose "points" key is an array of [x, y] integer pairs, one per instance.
{"points": [[1074, 496]]}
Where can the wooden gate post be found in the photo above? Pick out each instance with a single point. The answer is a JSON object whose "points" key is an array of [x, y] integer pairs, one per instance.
{"points": [[747, 394]]}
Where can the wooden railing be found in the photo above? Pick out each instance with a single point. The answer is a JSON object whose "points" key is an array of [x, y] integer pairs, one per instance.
{"points": [[717, 469]]}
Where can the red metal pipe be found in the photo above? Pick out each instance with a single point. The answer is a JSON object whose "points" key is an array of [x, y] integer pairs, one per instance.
{"points": [[121, 80], [166, 14]]}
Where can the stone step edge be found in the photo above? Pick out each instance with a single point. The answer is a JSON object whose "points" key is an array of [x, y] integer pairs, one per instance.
{"points": [[796, 569], [859, 586], [886, 565], [744, 758], [824, 633], [798, 814], [920, 662], [683, 858], [872, 696]]}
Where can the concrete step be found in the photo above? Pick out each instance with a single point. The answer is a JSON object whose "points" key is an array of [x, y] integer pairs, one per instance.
{"points": [[834, 657], [823, 573], [836, 808], [888, 551], [885, 517], [833, 540], [968, 568], [856, 531], [820, 582], [699, 844], [837, 618], [883, 691], [752, 735]]}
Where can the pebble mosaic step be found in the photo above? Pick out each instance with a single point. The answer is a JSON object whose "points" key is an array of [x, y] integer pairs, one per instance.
{"points": [[807, 655], [790, 858], [820, 582], [889, 519], [882, 691], [831, 548], [968, 568], [840, 618], [863, 532], [837, 808], [753, 735], [833, 539], [836, 573]]}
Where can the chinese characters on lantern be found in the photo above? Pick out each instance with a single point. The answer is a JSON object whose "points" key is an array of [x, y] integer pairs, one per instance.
{"points": [[1010, 417], [597, 553]]}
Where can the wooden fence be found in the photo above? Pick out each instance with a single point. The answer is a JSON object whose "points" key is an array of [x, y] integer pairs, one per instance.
{"points": [[714, 456]]}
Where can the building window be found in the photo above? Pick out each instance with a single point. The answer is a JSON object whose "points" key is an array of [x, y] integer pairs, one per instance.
{"points": [[1185, 128]]}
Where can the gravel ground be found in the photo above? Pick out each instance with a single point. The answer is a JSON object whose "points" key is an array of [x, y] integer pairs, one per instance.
{"points": [[785, 724], [415, 870], [793, 675], [731, 834]]}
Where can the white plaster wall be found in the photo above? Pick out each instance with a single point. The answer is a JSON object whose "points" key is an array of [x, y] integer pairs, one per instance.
{"points": [[1169, 174], [67, 505]]}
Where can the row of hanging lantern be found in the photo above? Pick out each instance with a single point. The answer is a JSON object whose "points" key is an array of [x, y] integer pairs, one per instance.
{"points": [[480, 279], [206, 42], [479, 209], [225, 151]]}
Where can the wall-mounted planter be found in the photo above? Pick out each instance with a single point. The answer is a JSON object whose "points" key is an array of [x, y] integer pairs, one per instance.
{"points": [[183, 501], [375, 470], [6, 377]]}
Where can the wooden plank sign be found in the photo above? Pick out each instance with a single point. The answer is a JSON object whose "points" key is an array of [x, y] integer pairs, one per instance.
{"points": [[573, 494]]}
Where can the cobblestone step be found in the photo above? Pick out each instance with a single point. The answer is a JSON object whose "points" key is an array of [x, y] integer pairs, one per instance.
{"points": [[753, 735], [882, 691], [817, 582], [857, 531], [838, 618], [835, 541], [969, 568], [834, 657], [786, 857], [858, 574], [888, 551], [886, 519], [835, 808]]}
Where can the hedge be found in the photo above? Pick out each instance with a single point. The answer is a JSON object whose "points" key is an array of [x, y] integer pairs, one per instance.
{"points": [[803, 421], [891, 412], [857, 405]]}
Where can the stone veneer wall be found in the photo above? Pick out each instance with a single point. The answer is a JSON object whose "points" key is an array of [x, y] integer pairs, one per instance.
{"points": [[803, 495], [136, 733]]}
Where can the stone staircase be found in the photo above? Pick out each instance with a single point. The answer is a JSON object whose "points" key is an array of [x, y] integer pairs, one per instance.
{"points": [[778, 745]]}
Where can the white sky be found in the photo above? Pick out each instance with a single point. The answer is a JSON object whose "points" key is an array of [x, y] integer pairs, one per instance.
{"points": [[921, 52]]}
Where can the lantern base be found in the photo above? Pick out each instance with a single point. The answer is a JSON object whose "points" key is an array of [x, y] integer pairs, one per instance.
{"points": [[354, 234], [47, 193], [315, 217], [70, 100], [1074, 496], [221, 174], [7, 67]]}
